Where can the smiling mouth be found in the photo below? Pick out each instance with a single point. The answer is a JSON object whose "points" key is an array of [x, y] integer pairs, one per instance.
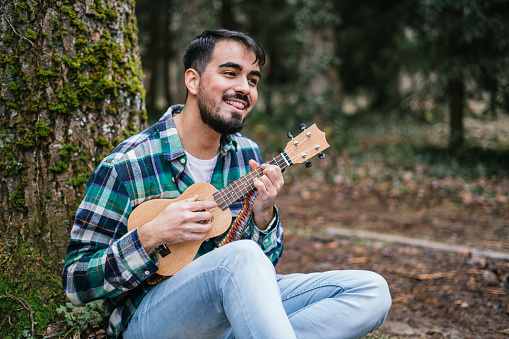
{"points": [[235, 104]]}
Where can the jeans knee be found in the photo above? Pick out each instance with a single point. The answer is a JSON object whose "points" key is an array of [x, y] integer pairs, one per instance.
{"points": [[381, 292], [246, 253]]}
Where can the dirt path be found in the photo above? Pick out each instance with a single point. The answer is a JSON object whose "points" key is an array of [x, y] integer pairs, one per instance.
{"points": [[346, 232]]}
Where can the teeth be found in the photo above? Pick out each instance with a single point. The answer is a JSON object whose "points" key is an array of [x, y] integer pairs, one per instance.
{"points": [[235, 103]]}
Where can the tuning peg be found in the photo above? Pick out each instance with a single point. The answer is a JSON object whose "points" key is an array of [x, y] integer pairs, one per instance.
{"points": [[302, 126], [309, 164], [321, 155], [290, 135]]}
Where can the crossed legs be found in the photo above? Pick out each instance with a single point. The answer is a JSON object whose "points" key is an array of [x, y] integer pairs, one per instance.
{"points": [[234, 291]]}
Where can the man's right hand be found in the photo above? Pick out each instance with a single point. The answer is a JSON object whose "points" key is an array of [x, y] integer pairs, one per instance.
{"points": [[180, 221]]}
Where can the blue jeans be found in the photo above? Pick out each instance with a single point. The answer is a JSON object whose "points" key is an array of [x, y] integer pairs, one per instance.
{"points": [[234, 292]]}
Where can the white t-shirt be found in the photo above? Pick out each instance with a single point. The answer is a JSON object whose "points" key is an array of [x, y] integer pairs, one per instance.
{"points": [[200, 170]]}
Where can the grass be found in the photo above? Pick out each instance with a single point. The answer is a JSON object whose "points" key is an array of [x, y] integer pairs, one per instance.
{"points": [[30, 292]]}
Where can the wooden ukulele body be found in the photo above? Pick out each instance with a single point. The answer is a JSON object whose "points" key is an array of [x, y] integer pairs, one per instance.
{"points": [[300, 149], [184, 252]]}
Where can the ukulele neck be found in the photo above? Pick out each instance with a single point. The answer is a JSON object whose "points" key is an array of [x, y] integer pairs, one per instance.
{"points": [[240, 187]]}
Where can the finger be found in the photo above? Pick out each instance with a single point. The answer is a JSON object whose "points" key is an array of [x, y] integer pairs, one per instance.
{"points": [[273, 171], [271, 174], [194, 236], [202, 205], [272, 178], [260, 185], [253, 164], [199, 228], [183, 203], [202, 216], [267, 182]]}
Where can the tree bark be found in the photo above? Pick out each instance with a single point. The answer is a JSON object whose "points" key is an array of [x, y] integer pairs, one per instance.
{"points": [[71, 89]]}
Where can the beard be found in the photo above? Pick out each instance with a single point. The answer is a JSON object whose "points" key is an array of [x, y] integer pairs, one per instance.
{"points": [[221, 122]]}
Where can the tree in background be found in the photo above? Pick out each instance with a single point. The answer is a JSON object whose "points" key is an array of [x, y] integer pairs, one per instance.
{"points": [[461, 47], [367, 43], [409, 56], [166, 27], [70, 89]]}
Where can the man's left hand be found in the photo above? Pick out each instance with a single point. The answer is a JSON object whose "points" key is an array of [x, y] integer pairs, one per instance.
{"points": [[268, 186]]}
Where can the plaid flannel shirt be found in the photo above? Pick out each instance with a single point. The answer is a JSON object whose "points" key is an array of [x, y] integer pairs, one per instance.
{"points": [[104, 260]]}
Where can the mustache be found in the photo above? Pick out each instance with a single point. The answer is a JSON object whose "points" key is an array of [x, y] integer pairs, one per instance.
{"points": [[238, 96]]}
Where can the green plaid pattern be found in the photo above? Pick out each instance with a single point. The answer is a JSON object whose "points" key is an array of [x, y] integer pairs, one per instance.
{"points": [[104, 260]]}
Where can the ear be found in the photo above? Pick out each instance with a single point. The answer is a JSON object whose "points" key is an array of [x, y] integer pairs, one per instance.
{"points": [[192, 80]]}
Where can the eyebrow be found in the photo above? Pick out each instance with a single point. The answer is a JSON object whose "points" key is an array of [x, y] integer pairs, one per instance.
{"points": [[239, 67]]}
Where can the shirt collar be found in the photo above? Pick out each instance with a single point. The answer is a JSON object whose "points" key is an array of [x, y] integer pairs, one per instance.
{"points": [[172, 147]]}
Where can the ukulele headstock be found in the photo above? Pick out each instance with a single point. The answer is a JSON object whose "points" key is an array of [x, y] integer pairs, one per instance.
{"points": [[306, 145]]}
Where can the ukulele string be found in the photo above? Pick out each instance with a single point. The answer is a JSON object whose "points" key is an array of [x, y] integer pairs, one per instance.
{"points": [[228, 198], [279, 163], [298, 145]]}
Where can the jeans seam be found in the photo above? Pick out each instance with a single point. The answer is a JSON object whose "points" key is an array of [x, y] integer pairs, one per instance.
{"points": [[304, 308], [240, 306], [289, 296]]}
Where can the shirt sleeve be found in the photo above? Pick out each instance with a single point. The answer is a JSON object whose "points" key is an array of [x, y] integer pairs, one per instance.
{"points": [[270, 240], [103, 259]]}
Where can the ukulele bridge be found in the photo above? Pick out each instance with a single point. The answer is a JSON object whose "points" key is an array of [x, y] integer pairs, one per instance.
{"points": [[163, 250]]}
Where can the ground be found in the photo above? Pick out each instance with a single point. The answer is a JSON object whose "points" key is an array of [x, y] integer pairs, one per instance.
{"points": [[436, 293]]}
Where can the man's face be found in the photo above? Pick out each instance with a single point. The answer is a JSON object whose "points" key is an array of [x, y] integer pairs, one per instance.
{"points": [[227, 90]]}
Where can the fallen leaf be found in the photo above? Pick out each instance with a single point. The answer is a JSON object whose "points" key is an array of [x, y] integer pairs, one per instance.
{"points": [[497, 291], [332, 244], [435, 332], [462, 304], [359, 260], [359, 250], [502, 198], [399, 300], [430, 276], [433, 301]]}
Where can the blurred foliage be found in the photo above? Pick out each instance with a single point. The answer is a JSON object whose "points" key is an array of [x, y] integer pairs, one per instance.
{"points": [[434, 60]]}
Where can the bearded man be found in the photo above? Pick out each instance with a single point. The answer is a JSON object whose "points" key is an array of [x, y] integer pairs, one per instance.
{"points": [[229, 291]]}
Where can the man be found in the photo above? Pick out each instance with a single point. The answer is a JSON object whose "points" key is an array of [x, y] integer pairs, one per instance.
{"points": [[228, 291]]}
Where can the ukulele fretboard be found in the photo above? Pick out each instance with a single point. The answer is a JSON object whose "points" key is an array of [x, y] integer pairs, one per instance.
{"points": [[240, 187]]}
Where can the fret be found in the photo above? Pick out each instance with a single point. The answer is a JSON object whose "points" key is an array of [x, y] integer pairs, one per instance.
{"points": [[243, 185]]}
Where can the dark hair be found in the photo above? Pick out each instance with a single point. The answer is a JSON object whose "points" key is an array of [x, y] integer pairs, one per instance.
{"points": [[199, 51]]}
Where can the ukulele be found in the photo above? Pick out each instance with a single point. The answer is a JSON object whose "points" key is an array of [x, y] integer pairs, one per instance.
{"points": [[173, 257]]}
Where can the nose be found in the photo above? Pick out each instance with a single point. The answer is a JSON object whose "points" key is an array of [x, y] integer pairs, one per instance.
{"points": [[243, 87]]}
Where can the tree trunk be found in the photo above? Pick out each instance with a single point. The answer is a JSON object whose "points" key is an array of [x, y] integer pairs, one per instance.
{"points": [[226, 16], [456, 112], [168, 54], [153, 59], [71, 89]]}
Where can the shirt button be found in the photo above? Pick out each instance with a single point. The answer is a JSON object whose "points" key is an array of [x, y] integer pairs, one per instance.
{"points": [[147, 272], [182, 161], [173, 179]]}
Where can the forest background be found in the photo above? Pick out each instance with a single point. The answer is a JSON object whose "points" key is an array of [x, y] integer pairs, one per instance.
{"points": [[412, 94]]}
